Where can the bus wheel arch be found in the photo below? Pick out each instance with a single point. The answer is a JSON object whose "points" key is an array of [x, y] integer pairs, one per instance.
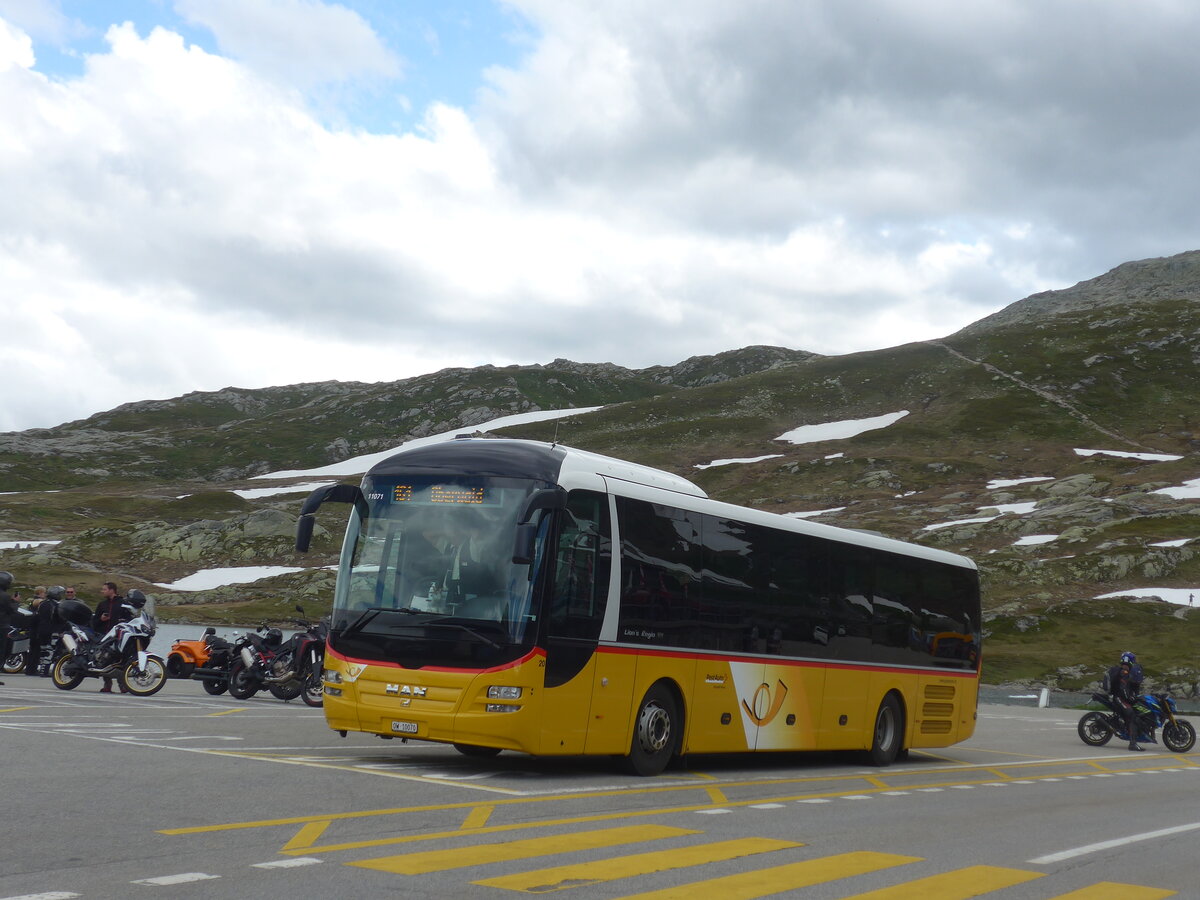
{"points": [[887, 732], [657, 729]]}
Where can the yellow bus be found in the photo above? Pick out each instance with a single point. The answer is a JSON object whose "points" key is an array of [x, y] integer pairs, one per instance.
{"points": [[498, 594]]}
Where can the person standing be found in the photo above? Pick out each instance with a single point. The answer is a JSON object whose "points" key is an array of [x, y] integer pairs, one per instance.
{"points": [[8, 612], [41, 634], [109, 612]]}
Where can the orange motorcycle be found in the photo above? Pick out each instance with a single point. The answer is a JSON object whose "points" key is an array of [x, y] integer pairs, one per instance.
{"points": [[207, 660]]}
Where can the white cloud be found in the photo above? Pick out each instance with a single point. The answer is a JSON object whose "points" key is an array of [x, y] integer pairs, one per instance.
{"points": [[299, 42], [16, 49], [650, 182]]}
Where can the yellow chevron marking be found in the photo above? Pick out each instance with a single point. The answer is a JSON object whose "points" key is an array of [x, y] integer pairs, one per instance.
{"points": [[768, 882], [306, 836], [477, 818], [561, 877], [973, 881], [1109, 890], [462, 856]]}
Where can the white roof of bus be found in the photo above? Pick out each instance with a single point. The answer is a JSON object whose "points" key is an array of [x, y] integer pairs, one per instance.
{"points": [[653, 480], [577, 461]]}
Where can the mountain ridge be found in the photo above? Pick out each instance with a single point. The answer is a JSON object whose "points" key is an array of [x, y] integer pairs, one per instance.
{"points": [[147, 490]]}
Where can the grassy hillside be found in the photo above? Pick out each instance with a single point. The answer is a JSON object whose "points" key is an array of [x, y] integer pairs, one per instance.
{"points": [[146, 491]]}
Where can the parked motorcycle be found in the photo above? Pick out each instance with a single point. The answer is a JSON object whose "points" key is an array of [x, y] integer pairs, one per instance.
{"points": [[120, 653], [207, 660], [1153, 711], [312, 652], [266, 661], [18, 634]]}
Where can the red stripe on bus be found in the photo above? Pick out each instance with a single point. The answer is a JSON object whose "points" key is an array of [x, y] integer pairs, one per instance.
{"points": [[532, 654]]}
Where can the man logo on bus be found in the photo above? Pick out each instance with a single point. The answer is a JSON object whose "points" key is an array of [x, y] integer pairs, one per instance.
{"points": [[764, 707]]}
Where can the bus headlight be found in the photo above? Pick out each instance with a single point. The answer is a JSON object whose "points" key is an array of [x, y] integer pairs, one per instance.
{"points": [[332, 676], [502, 707], [503, 692], [332, 691]]}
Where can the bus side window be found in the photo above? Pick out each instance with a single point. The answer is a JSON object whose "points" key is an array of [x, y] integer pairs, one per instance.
{"points": [[583, 559]]}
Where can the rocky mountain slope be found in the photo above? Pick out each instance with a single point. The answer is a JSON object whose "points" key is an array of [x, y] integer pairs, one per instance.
{"points": [[985, 462]]}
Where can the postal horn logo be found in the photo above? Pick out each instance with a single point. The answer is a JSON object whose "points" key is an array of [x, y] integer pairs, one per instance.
{"points": [[766, 703]]}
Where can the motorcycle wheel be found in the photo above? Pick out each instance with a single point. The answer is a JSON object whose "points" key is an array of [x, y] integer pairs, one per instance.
{"points": [[289, 690], [242, 685], [14, 663], [147, 681], [1094, 729], [1180, 737], [314, 687], [60, 674], [215, 686]]}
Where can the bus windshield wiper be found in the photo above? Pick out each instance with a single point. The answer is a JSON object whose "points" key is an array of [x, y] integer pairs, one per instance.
{"points": [[482, 638], [364, 617]]}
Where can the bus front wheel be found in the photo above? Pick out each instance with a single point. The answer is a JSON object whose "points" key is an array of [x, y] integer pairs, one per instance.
{"points": [[888, 734], [655, 732]]}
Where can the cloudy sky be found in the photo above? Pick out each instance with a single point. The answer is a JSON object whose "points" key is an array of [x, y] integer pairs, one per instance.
{"points": [[202, 193]]}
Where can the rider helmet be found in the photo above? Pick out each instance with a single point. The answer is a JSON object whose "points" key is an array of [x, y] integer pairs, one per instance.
{"points": [[56, 593], [136, 599], [6, 580], [1128, 657]]}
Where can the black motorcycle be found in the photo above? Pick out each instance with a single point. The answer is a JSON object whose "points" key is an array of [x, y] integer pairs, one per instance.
{"points": [[120, 653], [1153, 711], [18, 635], [312, 656], [265, 661]]}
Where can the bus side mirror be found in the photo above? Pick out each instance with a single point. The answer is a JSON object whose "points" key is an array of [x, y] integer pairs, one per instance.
{"points": [[331, 493], [523, 544], [526, 534]]}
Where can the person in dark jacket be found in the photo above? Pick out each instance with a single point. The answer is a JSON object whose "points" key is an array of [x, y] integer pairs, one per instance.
{"points": [[43, 629], [1125, 686], [8, 613], [109, 612]]}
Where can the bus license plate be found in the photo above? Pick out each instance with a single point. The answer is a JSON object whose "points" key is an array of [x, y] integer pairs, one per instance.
{"points": [[405, 727]]}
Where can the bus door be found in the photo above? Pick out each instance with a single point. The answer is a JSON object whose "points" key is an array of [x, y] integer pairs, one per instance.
{"points": [[573, 612]]}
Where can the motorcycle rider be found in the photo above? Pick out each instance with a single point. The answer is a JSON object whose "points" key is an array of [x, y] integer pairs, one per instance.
{"points": [[8, 612], [1124, 681], [42, 632], [109, 612]]}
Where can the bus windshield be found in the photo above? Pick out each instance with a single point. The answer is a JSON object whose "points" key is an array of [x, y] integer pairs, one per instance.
{"points": [[427, 577]]}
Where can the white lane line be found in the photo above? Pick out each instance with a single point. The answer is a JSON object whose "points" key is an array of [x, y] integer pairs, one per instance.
{"points": [[185, 878], [53, 895], [1117, 842], [288, 863]]}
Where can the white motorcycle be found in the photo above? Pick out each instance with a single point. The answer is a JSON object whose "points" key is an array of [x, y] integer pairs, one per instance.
{"points": [[121, 653]]}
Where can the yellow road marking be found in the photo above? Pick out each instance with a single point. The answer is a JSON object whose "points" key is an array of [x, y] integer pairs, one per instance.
{"points": [[1108, 890], [461, 857], [307, 836], [716, 795], [226, 712], [477, 817], [776, 880], [17, 708], [908, 780], [543, 881], [956, 885]]}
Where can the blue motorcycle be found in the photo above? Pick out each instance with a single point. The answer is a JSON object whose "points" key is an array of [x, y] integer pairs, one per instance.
{"points": [[1154, 711]]}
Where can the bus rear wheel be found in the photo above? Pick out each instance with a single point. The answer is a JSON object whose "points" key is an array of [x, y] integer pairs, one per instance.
{"points": [[655, 732], [888, 733]]}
